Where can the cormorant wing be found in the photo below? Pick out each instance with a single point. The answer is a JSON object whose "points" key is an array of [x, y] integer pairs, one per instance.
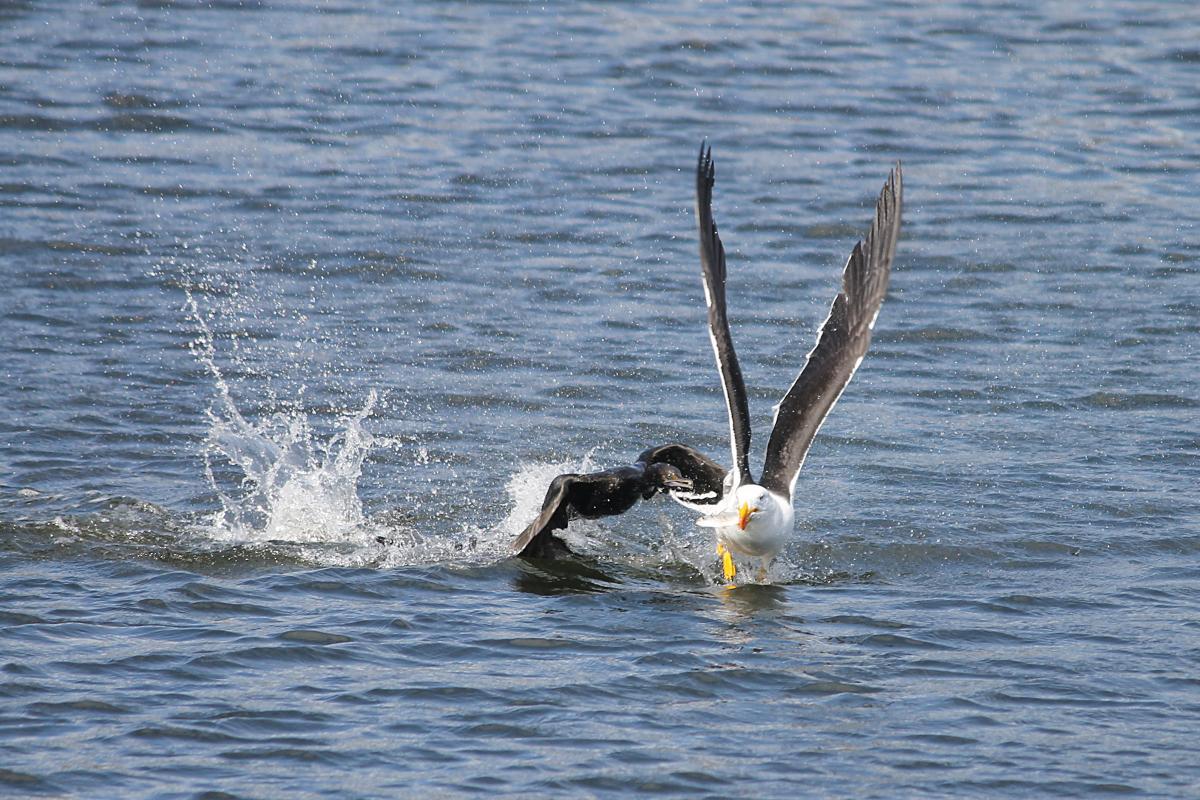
{"points": [[841, 344], [712, 263], [537, 540]]}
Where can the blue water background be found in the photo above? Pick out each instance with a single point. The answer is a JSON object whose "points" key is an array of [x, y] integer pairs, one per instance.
{"points": [[482, 214]]}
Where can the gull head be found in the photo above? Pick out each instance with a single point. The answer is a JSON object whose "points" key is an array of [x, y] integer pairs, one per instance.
{"points": [[754, 506]]}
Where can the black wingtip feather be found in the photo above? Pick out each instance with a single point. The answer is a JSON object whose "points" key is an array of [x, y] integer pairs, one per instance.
{"points": [[868, 270]]}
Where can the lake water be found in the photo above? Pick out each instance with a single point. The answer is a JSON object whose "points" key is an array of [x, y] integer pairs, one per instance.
{"points": [[282, 278]]}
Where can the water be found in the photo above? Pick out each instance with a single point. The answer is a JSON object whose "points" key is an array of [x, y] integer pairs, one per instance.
{"points": [[280, 282]]}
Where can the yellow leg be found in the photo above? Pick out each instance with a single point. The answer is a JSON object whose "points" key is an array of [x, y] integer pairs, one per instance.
{"points": [[726, 562], [730, 569]]}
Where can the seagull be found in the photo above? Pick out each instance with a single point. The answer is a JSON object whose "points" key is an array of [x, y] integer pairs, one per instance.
{"points": [[755, 518], [750, 518]]}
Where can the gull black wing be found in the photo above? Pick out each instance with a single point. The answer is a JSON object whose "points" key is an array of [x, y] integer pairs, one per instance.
{"points": [[841, 344], [712, 263]]}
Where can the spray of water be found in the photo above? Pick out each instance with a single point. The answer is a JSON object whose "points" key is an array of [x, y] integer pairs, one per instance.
{"points": [[294, 486]]}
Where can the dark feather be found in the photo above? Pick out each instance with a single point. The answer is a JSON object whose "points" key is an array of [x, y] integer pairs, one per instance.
{"points": [[841, 344], [712, 263]]}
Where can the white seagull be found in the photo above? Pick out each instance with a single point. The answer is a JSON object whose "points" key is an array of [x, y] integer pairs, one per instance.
{"points": [[754, 518]]}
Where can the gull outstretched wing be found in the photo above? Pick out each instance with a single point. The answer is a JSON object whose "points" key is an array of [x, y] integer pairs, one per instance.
{"points": [[712, 263], [841, 344]]}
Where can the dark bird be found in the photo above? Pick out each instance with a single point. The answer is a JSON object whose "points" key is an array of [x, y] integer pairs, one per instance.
{"points": [[669, 468], [750, 518]]}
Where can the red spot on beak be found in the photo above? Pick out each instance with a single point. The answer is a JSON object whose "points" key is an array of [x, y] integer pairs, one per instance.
{"points": [[743, 515]]}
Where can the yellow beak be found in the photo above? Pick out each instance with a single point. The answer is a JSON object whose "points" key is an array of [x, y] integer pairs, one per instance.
{"points": [[743, 515]]}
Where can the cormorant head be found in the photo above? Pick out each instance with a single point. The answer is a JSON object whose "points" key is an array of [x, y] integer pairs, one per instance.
{"points": [[664, 476]]}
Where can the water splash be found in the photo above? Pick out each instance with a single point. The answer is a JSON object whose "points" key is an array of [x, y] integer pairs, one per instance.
{"points": [[295, 486], [285, 487]]}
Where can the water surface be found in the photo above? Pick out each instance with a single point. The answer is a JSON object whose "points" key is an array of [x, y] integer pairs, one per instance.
{"points": [[282, 280]]}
